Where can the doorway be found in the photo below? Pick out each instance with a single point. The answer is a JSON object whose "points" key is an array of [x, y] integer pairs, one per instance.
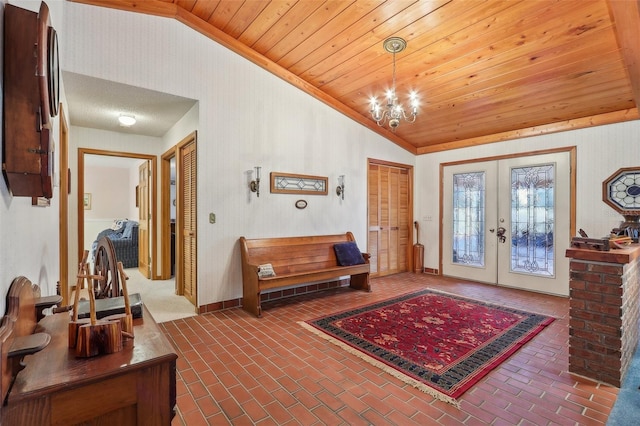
{"points": [[92, 203], [390, 214], [508, 221], [168, 212], [179, 214]]}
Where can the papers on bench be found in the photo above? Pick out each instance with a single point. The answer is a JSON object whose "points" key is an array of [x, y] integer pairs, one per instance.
{"points": [[265, 271]]}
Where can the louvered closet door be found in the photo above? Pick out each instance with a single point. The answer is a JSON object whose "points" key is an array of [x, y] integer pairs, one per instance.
{"points": [[388, 219], [188, 220]]}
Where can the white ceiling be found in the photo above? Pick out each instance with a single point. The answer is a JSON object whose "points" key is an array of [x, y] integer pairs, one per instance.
{"points": [[97, 103]]}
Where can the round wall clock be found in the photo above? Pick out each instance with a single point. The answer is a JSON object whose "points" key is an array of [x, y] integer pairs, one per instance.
{"points": [[53, 72], [47, 70]]}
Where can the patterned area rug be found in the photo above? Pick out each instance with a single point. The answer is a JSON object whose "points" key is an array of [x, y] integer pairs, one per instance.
{"points": [[440, 343]]}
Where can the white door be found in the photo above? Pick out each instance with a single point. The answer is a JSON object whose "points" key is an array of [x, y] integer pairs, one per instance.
{"points": [[507, 222]]}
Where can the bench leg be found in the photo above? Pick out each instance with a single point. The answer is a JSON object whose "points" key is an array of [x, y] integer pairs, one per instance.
{"points": [[252, 305], [360, 282]]}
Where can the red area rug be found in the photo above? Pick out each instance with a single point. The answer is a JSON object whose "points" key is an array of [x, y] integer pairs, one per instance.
{"points": [[440, 343]]}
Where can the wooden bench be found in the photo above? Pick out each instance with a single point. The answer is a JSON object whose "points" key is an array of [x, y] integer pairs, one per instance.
{"points": [[295, 260], [18, 336]]}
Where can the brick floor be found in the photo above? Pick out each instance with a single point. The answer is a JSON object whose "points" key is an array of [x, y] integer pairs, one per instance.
{"points": [[236, 369]]}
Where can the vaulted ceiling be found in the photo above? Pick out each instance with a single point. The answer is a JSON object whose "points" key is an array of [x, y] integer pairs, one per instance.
{"points": [[484, 70]]}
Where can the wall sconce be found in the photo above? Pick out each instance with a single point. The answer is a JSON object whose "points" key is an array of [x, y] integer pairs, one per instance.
{"points": [[340, 188], [255, 184]]}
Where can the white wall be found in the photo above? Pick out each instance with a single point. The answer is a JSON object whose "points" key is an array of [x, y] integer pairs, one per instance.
{"points": [[134, 179], [247, 117], [111, 192], [600, 152]]}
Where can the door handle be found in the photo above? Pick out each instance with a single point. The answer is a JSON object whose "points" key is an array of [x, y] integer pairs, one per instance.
{"points": [[500, 234]]}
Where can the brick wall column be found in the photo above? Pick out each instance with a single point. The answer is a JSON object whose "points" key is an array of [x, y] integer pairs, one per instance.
{"points": [[604, 312]]}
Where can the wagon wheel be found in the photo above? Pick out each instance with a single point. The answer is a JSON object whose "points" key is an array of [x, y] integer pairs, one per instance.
{"points": [[106, 264]]}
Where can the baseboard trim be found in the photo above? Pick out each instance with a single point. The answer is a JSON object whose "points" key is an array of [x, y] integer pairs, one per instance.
{"points": [[274, 295]]}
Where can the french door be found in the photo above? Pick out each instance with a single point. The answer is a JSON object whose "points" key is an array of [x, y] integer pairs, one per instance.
{"points": [[507, 222]]}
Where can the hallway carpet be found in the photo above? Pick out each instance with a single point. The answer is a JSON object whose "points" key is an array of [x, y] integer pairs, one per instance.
{"points": [[626, 411]]}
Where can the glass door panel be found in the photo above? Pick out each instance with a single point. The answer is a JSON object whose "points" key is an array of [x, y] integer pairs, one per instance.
{"points": [[535, 211], [468, 218], [469, 211], [532, 224]]}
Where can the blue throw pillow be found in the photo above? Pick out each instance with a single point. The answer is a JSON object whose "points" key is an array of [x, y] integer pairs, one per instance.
{"points": [[348, 254]]}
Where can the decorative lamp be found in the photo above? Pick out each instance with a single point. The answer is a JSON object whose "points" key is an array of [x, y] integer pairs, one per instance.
{"points": [[255, 184], [340, 188]]}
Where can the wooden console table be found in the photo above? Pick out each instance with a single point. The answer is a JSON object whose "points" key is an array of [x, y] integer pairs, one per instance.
{"points": [[136, 386]]}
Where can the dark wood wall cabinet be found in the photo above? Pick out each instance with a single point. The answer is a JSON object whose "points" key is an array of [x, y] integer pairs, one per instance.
{"points": [[31, 97]]}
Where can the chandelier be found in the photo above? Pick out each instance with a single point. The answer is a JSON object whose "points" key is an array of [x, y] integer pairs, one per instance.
{"points": [[394, 112]]}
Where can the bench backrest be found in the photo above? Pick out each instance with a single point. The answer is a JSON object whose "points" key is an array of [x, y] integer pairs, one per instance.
{"points": [[19, 321], [293, 254]]}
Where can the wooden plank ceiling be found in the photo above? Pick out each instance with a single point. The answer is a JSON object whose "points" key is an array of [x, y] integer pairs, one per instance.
{"points": [[484, 71]]}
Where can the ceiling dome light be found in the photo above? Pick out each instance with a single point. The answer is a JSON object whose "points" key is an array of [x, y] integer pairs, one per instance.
{"points": [[127, 120]]}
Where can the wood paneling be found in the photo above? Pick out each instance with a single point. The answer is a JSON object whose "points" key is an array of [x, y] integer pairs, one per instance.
{"points": [[485, 71]]}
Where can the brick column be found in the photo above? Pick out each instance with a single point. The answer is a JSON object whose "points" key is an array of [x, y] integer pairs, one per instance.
{"points": [[604, 312]]}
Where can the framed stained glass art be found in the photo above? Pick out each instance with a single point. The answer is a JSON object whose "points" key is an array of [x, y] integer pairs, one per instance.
{"points": [[621, 191], [287, 183]]}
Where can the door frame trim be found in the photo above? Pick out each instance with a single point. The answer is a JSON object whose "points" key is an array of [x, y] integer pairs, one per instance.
{"points": [[165, 210], [154, 199], [64, 190], [179, 273], [572, 150]]}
